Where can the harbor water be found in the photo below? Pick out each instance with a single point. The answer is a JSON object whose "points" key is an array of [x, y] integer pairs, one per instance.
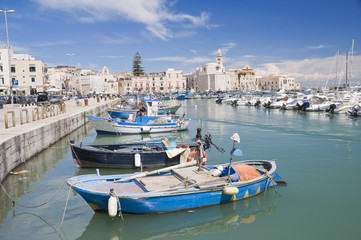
{"points": [[318, 155]]}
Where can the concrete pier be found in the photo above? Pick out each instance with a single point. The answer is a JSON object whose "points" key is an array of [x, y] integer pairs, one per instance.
{"points": [[31, 135]]}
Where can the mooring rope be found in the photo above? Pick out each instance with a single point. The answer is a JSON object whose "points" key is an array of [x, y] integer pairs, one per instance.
{"points": [[36, 206], [66, 205]]}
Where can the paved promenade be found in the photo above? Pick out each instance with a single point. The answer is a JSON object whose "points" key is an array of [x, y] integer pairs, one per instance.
{"points": [[71, 109]]}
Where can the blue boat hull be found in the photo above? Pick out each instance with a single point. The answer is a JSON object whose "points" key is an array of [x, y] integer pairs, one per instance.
{"points": [[160, 204], [134, 198]]}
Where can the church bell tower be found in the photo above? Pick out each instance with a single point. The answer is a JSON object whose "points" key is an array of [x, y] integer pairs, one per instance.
{"points": [[219, 59]]}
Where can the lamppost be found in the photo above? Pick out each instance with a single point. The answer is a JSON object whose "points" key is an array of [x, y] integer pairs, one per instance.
{"points": [[8, 47], [72, 75]]}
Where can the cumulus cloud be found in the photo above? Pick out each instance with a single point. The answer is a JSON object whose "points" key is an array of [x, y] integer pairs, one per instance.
{"points": [[154, 14], [316, 71]]}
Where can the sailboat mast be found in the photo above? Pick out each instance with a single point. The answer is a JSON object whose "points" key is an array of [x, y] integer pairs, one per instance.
{"points": [[346, 68], [351, 56]]}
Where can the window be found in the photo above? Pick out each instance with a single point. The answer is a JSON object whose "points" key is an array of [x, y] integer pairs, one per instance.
{"points": [[32, 69], [1, 68], [33, 79], [2, 80], [161, 78], [12, 69]]}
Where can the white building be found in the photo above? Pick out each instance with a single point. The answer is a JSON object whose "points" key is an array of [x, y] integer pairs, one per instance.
{"points": [[277, 83], [213, 76], [175, 82], [27, 73], [165, 82], [110, 82], [247, 79]]}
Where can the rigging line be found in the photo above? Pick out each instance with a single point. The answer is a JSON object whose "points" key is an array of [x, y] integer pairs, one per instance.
{"points": [[36, 206]]}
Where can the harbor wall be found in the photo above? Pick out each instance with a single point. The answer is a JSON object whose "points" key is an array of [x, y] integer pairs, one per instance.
{"points": [[23, 146]]}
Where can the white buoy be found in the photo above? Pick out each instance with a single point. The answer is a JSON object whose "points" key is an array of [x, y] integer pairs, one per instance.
{"points": [[195, 106], [112, 206], [137, 160], [230, 190], [216, 173]]}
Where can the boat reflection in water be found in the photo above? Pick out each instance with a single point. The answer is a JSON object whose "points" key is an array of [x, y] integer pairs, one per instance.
{"points": [[219, 218]]}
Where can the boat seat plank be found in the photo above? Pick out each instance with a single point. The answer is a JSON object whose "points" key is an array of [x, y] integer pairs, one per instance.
{"points": [[194, 176], [159, 183]]}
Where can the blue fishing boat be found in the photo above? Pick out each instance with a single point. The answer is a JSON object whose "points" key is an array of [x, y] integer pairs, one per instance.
{"points": [[137, 125], [179, 187], [174, 188], [152, 108]]}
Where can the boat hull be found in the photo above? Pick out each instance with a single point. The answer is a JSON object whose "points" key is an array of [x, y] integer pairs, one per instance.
{"points": [[104, 125], [134, 199], [89, 156]]}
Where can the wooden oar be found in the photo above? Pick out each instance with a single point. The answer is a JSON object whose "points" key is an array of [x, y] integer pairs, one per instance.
{"points": [[187, 164]]}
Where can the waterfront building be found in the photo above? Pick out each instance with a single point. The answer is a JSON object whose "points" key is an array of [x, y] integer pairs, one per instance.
{"points": [[175, 81], [28, 75], [213, 76], [164, 82], [191, 82], [61, 78], [247, 78], [277, 82], [124, 80], [110, 82]]}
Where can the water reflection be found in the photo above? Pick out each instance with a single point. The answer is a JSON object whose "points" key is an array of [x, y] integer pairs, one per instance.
{"points": [[184, 224], [38, 166]]}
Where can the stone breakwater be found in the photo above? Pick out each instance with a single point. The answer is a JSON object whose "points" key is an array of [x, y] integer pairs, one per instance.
{"points": [[20, 142]]}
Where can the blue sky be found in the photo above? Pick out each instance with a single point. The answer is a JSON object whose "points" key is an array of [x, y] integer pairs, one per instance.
{"points": [[282, 37]]}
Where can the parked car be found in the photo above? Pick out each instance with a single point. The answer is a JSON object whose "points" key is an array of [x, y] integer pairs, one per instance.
{"points": [[3, 100], [17, 99], [42, 98], [55, 99], [30, 99]]}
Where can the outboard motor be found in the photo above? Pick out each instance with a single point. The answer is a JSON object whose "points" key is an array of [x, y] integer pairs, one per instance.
{"points": [[234, 102], [208, 142], [354, 110], [304, 106], [219, 100], [331, 108], [267, 105], [258, 103]]}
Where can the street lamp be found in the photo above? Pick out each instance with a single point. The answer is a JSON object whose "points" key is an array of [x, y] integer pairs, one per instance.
{"points": [[8, 47], [71, 55]]}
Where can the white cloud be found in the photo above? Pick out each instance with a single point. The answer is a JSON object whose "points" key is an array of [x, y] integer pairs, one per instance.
{"points": [[154, 14], [316, 71], [317, 47]]}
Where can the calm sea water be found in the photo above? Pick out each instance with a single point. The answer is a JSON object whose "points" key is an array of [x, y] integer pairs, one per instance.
{"points": [[318, 155]]}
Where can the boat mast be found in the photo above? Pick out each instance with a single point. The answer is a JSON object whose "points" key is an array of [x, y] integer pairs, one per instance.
{"points": [[346, 69], [351, 56]]}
